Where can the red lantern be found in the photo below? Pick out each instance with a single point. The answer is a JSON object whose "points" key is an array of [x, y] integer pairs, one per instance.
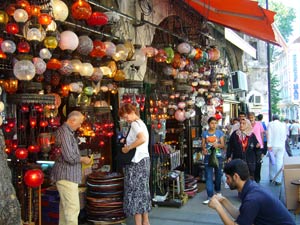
{"points": [[34, 178], [21, 153], [44, 19], [99, 49], [33, 148], [12, 28], [54, 64], [221, 83], [81, 10], [11, 9], [23, 47], [97, 19]]}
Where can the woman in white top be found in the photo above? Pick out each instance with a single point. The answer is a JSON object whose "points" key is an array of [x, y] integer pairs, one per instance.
{"points": [[137, 197]]}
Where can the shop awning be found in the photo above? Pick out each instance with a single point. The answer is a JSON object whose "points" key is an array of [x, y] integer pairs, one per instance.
{"points": [[245, 16]]}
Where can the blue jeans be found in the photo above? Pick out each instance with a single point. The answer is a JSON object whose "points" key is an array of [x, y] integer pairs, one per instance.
{"points": [[209, 176]]}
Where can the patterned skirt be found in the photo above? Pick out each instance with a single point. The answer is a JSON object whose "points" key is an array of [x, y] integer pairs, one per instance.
{"points": [[137, 197]]}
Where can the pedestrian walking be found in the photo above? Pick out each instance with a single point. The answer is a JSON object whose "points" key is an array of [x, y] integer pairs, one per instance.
{"points": [[244, 145], [295, 130], [287, 141], [213, 175], [258, 131], [276, 147]]}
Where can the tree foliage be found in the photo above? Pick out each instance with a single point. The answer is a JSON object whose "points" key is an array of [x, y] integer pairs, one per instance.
{"points": [[275, 91], [284, 18]]}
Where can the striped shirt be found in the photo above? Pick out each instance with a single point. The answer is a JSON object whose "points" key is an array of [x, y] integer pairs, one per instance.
{"points": [[68, 166]]}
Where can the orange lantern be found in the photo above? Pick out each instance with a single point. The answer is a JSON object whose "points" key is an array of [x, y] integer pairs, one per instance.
{"points": [[35, 10], [44, 19]]}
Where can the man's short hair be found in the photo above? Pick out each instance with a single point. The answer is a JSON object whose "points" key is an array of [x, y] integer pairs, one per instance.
{"points": [[237, 166], [74, 114], [275, 117], [260, 117]]}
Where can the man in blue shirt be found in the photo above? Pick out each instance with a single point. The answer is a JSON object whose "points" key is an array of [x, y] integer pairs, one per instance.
{"points": [[258, 206]]}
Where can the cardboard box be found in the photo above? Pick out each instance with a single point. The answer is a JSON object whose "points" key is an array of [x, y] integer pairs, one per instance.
{"points": [[291, 171]]}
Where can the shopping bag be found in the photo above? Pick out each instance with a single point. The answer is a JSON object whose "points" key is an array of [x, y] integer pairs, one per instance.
{"points": [[213, 160]]}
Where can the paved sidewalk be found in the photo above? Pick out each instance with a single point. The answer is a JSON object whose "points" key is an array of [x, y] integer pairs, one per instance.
{"points": [[194, 212]]}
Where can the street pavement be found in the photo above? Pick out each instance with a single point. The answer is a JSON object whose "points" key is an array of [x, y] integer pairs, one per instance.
{"points": [[194, 212]]}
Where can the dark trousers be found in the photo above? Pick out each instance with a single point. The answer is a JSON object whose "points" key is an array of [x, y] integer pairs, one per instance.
{"points": [[258, 166], [288, 148]]}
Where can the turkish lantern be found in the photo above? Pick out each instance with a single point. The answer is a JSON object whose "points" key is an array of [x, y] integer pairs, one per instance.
{"points": [[99, 49], [54, 64], [68, 40], [24, 70], [60, 10], [44, 19], [35, 10], [20, 16], [97, 19], [81, 10], [3, 17], [12, 28], [85, 45], [21, 153], [33, 148], [34, 178], [23, 47]]}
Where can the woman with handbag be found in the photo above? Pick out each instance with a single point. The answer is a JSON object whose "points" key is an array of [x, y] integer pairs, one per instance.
{"points": [[212, 147], [244, 145], [137, 198]]}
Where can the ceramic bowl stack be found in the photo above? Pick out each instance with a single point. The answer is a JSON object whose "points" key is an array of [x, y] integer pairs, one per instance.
{"points": [[190, 185], [105, 198]]}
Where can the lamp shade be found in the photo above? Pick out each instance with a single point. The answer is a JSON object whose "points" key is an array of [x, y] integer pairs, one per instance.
{"points": [[85, 45], [21, 153], [97, 19], [66, 67], [20, 16], [50, 42], [23, 47], [60, 10], [87, 69], [68, 40], [3, 17], [81, 10], [24, 70], [45, 53], [40, 65], [34, 178], [8, 46], [44, 19]]}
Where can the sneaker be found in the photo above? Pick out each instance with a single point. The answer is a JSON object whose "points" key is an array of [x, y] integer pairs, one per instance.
{"points": [[206, 202]]}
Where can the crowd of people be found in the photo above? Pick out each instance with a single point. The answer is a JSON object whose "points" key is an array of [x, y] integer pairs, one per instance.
{"points": [[243, 145]]}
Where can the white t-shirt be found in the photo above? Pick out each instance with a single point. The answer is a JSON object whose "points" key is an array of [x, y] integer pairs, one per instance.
{"points": [[137, 127], [294, 129]]}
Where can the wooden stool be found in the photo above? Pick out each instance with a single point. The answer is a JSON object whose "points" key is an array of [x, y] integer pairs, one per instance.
{"points": [[297, 182]]}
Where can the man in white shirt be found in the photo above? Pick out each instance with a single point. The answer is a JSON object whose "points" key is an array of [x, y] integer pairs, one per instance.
{"points": [[276, 146]]}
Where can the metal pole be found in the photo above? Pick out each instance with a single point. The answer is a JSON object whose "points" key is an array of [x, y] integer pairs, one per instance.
{"points": [[269, 74]]}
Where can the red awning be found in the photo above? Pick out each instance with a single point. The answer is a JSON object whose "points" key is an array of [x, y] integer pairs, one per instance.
{"points": [[245, 16]]}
